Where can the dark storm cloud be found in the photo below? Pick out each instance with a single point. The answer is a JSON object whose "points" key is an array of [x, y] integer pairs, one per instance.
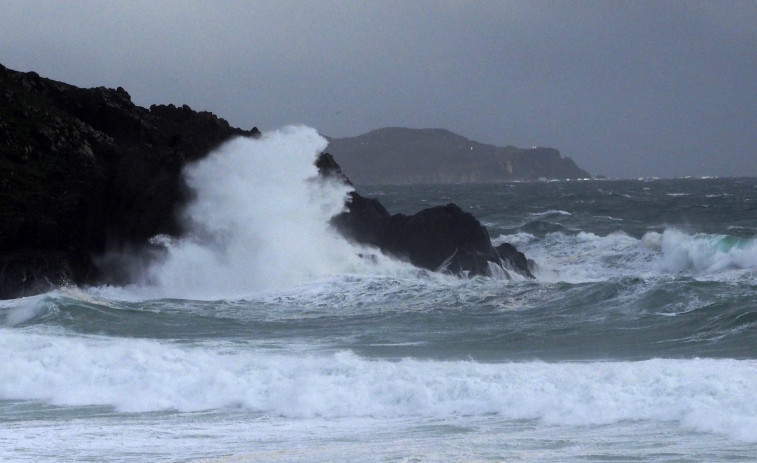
{"points": [[625, 88]]}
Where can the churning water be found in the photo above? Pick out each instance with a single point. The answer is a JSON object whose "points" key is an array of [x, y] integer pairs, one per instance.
{"points": [[263, 336]]}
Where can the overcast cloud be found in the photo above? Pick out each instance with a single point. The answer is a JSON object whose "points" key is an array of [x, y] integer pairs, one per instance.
{"points": [[625, 88]]}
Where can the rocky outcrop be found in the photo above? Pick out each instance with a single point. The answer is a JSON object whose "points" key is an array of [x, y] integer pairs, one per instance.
{"points": [[82, 169], [86, 170], [442, 238], [413, 156], [515, 260]]}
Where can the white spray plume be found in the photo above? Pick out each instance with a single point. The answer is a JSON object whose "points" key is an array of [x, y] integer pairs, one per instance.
{"points": [[259, 220]]}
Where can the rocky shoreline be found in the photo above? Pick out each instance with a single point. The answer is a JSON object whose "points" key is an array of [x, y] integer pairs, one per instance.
{"points": [[83, 171]]}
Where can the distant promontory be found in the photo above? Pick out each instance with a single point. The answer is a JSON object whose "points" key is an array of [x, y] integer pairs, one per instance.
{"points": [[398, 156]]}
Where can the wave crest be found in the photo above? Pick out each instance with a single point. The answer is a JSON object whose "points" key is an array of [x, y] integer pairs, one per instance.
{"points": [[704, 254], [141, 375]]}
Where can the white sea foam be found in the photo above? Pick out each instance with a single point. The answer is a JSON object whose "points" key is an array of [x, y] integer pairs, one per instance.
{"points": [[518, 240], [585, 257], [706, 255], [259, 221], [134, 375], [609, 217], [550, 212]]}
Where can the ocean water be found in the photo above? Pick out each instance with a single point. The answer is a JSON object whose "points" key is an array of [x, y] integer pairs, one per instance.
{"points": [[262, 336]]}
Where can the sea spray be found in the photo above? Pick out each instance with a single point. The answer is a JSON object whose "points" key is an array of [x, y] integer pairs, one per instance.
{"points": [[259, 220]]}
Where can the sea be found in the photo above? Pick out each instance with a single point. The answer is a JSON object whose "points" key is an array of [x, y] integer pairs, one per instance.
{"points": [[262, 336]]}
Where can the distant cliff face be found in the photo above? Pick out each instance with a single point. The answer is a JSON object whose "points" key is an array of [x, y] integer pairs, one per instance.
{"points": [[407, 156]]}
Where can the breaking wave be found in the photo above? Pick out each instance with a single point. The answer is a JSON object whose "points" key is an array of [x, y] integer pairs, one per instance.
{"points": [[144, 375], [586, 256], [260, 220]]}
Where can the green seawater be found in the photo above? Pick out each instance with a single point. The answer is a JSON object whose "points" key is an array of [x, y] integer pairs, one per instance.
{"points": [[636, 342]]}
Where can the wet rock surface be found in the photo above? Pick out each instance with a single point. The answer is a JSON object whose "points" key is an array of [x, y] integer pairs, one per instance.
{"points": [[441, 238], [82, 169]]}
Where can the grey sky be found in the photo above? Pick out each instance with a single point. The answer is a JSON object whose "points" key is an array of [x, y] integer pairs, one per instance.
{"points": [[626, 88]]}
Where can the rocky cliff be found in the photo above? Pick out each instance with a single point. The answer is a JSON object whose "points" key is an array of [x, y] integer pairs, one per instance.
{"points": [[82, 169], [412, 156]]}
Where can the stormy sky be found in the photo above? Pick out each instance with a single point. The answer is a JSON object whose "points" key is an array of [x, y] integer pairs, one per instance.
{"points": [[625, 88]]}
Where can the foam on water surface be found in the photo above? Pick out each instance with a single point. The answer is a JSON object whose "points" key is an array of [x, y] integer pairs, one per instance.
{"points": [[262, 338], [135, 376], [588, 257]]}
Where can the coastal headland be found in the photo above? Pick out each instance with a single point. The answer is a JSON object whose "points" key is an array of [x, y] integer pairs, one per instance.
{"points": [[84, 171]]}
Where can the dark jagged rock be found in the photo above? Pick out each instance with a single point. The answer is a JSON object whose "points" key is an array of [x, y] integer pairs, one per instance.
{"points": [[365, 221], [25, 272], [327, 167], [514, 259], [82, 169], [442, 238]]}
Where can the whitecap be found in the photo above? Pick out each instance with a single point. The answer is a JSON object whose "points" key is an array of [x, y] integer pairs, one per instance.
{"points": [[550, 212], [133, 375]]}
